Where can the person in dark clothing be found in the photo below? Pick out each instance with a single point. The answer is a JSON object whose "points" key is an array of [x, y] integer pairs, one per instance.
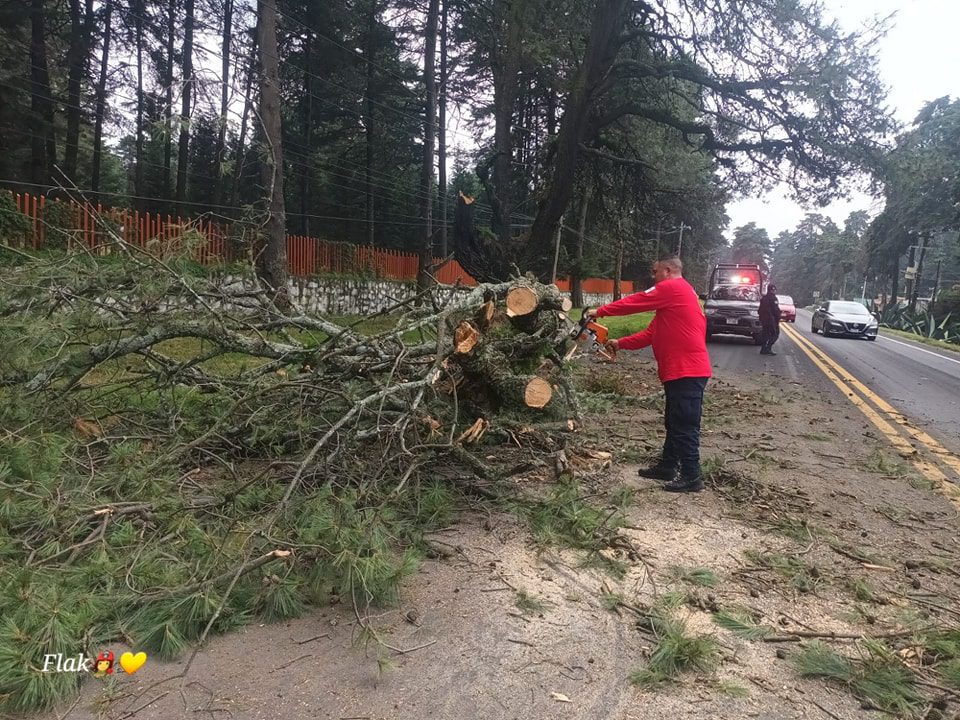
{"points": [[769, 320], [678, 336]]}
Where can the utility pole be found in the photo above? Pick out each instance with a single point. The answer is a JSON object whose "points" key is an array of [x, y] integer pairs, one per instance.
{"points": [[919, 279], [680, 242], [936, 285]]}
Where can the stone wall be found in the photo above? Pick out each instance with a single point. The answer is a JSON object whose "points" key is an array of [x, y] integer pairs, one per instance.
{"points": [[333, 295]]}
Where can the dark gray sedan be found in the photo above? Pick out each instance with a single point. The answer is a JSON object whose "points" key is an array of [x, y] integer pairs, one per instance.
{"points": [[839, 317]]}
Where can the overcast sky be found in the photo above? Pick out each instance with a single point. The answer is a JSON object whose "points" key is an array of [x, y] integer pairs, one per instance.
{"points": [[919, 61]]}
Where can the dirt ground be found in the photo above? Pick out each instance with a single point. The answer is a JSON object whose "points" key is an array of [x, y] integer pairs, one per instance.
{"points": [[496, 627]]}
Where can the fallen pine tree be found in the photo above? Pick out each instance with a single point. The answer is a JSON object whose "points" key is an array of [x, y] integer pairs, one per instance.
{"points": [[179, 456]]}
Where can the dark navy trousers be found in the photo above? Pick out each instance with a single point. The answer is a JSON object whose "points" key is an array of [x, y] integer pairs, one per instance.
{"points": [[681, 417]]}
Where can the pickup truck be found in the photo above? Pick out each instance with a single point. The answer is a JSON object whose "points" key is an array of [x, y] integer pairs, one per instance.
{"points": [[732, 305]]}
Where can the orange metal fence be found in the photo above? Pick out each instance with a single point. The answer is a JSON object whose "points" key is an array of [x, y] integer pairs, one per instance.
{"points": [[84, 223]]}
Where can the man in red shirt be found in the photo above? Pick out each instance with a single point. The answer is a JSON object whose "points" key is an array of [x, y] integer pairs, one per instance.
{"points": [[678, 334]]}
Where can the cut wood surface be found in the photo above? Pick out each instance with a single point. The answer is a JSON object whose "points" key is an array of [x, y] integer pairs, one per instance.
{"points": [[465, 337], [521, 300], [566, 304], [537, 393]]}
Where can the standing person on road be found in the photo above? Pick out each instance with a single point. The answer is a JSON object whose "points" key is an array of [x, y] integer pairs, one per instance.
{"points": [[769, 320], [678, 335]]}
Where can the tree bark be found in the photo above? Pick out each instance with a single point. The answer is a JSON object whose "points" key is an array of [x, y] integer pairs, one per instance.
{"points": [[604, 41], [272, 256], [221, 153], [101, 100], [183, 146], [307, 139], [239, 153], [139, 8], [43, 149], [81, 27], [429, 138], [368, 123], [576, 282], [442, 133], [168, 80]]}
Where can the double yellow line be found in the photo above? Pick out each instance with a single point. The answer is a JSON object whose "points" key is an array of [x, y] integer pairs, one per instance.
{"points": [[887, 420]]}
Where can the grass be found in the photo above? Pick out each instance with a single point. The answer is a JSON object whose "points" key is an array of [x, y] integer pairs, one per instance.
{"points": [[877, 677], [702, 577], [528, 604], [802, 576], [952, 347], [732, 690], [677, 652], [740, 622], [622, 325]]}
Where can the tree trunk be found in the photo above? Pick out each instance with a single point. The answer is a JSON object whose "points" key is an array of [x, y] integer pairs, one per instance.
{"points": [[81, 25], [43, 150], [895, 281], [101, 100], [606, 25], [307, 139], [618, 270], [139, 9], [429, 138], [183, 146], [368, 123], [168, 79], [221, 154], [442, 133], [576, 283], [239, 153], [272, 256]]}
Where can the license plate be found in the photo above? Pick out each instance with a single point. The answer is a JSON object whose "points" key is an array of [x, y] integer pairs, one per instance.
{"points": [[733, 321]]}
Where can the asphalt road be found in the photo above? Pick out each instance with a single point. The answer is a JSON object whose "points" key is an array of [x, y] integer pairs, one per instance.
{"points": [[919, 381]]}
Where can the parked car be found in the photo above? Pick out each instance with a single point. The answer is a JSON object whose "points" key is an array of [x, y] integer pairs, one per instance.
{"points": [[839, 317], [788, 311]]}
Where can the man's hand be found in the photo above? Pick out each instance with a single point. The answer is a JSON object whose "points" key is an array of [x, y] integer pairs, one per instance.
{"points": [[590, 314], [611, 346]]}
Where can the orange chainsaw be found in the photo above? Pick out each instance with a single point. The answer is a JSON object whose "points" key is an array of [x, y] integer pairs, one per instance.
{"points": [[592, 336]]}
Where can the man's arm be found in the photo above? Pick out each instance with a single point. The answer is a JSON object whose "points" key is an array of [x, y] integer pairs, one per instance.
{"points": [[638, 340], [652, 299]]}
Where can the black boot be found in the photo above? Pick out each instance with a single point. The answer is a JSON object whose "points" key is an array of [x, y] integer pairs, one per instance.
{"points": [[659, 472], [681, 485]]}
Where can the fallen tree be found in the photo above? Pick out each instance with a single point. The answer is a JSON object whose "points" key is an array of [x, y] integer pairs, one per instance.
{"points": [[179, 455]]}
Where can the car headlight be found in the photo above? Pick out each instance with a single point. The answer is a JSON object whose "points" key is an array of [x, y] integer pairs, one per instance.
{"points": [[753, 313], [710, 311]]}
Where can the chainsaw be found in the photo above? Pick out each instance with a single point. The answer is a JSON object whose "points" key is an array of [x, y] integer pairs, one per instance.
{"points": [[591, 336]]}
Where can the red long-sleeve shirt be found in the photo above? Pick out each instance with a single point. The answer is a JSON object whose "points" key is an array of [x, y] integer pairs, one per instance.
{"points": [[677, 332]]}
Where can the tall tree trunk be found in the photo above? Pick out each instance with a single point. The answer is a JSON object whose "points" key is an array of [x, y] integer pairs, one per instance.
{"points": [[101, 100], [576, 283], [183, 146], [81, 27], [429, 138], [618, 268], [221, 154], [368, 123], [442, 133], [307, 137], [895, 281], [272, 257], [43, 150], [602, 45], [239, 153], [139, 8], [168, 81]]}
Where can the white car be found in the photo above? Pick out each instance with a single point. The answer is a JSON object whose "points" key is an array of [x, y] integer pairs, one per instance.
{"points": [[840, 317]]}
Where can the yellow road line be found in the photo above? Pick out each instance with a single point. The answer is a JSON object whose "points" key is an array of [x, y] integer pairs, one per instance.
{"points": [[944, 455], [928, 470]]}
